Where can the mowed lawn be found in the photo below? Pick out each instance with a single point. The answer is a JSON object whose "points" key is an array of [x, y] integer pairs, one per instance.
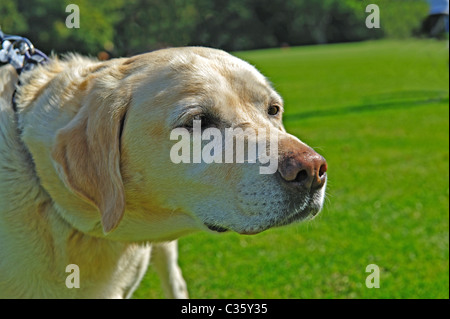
{"points": [[379, 112]]}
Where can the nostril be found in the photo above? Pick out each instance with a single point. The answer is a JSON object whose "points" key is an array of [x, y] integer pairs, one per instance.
{"points": [[302, 176], [323, 169]]}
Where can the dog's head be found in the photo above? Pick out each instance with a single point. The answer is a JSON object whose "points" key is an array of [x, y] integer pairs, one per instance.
{"points": [[149, 148]]}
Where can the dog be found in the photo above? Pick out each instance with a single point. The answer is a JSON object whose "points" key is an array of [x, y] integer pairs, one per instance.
{"points": [[86, 177]]}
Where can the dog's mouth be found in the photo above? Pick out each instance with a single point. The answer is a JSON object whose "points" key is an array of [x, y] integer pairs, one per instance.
{"points": [[258, 229], [220, 229], [217, 228], [307, 209]]}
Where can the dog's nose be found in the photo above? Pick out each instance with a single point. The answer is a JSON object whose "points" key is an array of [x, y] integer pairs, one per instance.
{"points": [[301, 165]]}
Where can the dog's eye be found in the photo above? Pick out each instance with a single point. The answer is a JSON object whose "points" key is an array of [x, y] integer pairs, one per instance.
{"points": [[273, 109], [205, 121]]}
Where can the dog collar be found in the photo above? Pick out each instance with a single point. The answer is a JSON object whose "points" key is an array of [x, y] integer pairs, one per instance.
{"points": [[21, 54]]}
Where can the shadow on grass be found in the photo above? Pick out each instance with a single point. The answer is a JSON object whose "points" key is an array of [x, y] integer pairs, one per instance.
{"points": [[395, 102]]}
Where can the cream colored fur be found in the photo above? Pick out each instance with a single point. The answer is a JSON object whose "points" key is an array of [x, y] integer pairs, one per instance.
{"points": [[86, 178]]}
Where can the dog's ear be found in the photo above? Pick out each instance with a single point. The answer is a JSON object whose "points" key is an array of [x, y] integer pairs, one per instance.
{"points": [[87, 152]]}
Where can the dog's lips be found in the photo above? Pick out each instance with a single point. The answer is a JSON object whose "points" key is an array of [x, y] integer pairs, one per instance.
{"points": [[308, 208], [220, 229], [217, 228], [301, 215], [253, 232]]}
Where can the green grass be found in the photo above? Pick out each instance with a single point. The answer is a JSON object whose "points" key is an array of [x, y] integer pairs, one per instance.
{"points": [[378, 111]]}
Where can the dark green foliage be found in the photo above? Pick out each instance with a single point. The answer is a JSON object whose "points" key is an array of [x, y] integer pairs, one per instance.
{"points": [[128, 27]]}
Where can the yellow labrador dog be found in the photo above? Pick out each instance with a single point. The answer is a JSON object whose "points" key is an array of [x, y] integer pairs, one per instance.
{"points": [[87, 178]]}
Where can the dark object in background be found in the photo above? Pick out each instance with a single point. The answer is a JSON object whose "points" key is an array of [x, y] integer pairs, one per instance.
{"points": [[436, 25]]}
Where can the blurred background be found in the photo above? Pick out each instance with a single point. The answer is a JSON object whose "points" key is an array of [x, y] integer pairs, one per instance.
{"points": [[127, 27], [373, 102]]}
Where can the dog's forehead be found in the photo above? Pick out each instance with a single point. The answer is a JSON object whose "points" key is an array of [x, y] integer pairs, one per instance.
{"points": [[196, 80], [221, 75], [213, 64]]}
